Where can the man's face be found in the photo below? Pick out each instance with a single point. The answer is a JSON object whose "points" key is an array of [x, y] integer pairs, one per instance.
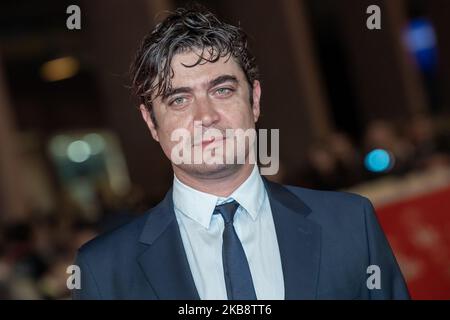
{"points": [[207, 98]]}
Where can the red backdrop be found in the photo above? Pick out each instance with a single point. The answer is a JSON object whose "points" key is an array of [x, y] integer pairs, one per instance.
{"points": [[418, 229]]}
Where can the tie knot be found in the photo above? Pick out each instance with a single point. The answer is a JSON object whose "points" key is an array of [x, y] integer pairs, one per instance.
{"points": [[227, 210]]}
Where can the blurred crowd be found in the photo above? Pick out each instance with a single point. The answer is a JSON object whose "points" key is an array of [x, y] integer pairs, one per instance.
{"points": [[338, 162], [35, 252]]}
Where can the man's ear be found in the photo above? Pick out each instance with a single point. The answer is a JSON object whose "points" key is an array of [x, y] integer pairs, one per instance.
{"points": [[256, 98], [149, 121]]}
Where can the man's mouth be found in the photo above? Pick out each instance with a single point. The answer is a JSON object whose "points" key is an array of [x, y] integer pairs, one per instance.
{"points": [[208, 141]]}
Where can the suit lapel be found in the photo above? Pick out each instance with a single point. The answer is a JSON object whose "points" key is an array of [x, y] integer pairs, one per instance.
{"points": [[298, 241], [164, 261]]}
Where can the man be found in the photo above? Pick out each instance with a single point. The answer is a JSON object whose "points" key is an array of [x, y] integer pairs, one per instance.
{"points": [[223, 231]]}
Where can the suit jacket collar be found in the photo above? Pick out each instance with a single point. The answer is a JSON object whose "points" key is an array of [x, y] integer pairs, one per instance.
{"points": [[166, 267]]}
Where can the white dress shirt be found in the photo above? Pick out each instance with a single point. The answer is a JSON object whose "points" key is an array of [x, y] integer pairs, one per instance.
{"points": [[201, 233]]}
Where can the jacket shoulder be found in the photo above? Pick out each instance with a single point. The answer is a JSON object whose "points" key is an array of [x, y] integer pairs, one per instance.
{"points": [[119, 240], [333, 207], [314, 198]]}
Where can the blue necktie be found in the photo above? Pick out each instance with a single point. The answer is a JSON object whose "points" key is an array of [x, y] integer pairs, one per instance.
{"points": [[238, 278]]}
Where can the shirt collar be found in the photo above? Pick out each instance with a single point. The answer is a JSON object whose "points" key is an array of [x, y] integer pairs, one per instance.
{"points": [[199, 206]]}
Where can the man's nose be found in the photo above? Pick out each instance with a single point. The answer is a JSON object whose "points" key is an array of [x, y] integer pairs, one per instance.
{"points": [[206, 112]]}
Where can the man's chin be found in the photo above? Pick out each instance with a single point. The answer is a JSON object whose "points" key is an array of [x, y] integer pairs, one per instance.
{"points": [[209, 170]]}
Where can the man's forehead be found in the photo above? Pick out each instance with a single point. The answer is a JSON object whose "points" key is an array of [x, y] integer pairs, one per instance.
{"points": [[204, 71]]}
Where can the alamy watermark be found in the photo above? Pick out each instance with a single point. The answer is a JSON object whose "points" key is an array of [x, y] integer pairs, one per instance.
{"points": [[73, 21], [374, 280], [373, 22], [74, 279], [229, 146]]}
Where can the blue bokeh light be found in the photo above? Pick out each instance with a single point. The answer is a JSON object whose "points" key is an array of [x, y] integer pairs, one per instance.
{"points": [[378, 160], [420, 40]]}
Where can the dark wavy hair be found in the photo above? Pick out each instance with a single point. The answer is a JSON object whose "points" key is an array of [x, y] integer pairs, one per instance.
{"points": [[184, 29]]}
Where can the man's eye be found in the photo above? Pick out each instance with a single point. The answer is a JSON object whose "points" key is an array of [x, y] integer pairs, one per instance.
{"points": [[224, 91], [178, 101]]}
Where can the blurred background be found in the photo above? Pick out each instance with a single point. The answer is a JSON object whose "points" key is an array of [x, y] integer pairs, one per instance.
{"points": [[359, 110]]}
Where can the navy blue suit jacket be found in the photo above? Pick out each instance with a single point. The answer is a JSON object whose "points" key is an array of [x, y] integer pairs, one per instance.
{"points": [[326, 240]]}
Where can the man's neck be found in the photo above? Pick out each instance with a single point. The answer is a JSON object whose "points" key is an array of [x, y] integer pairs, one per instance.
{"points": [[221, 186]]}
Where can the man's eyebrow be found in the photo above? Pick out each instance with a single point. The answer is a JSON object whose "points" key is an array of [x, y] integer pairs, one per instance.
{"points": [[174, 91], [222, 79], [211, 84]]}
